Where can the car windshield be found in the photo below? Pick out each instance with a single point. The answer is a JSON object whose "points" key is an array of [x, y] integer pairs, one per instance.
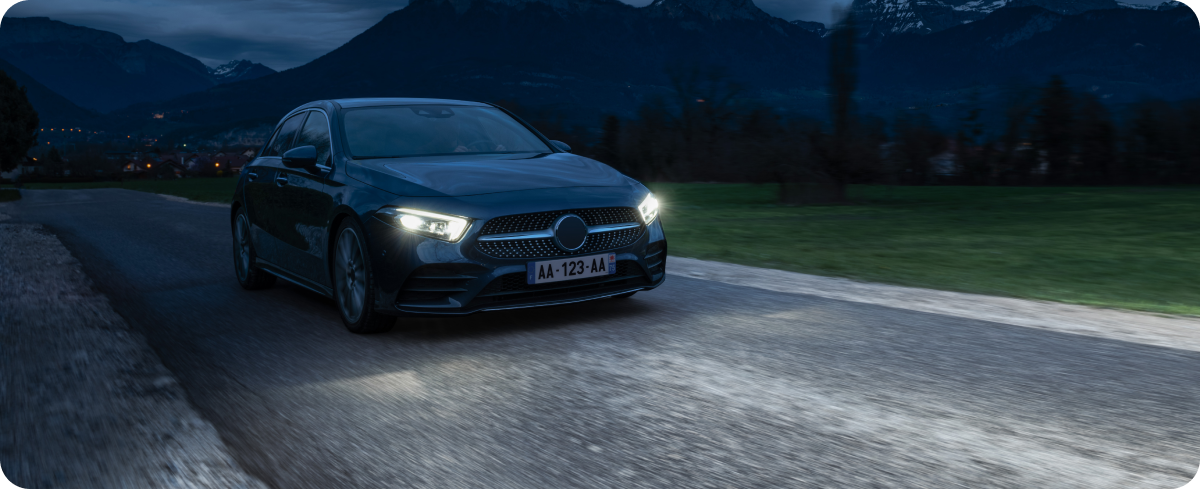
{"points": [[416, 130]]}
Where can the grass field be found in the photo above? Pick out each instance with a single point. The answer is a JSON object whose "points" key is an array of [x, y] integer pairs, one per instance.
{"points": [[9, 195], [1134, 248]]}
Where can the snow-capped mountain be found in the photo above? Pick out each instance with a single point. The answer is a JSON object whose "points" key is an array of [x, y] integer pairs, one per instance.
{"points": [[1162, 6], [811, 26], [238, 70], [884, 17], [714, 9]]}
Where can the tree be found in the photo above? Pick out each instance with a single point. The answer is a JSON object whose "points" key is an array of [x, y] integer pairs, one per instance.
{"points": [[53, 156], [1097, 137], [1054, 128], [843, 80], [1153, 144], [704, 110], [1191, 142], [610, 141], [917, 140], [973, 157], [1014, 162], [18, 123]]}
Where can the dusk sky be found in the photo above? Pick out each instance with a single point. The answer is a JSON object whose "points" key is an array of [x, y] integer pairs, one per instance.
{"points": [[281, 34]]}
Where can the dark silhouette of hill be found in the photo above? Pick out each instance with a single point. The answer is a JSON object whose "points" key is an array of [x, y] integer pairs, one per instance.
{"points": [[578, 55], [591, 57], [1124, 52], [53, 110], [99, 70]]}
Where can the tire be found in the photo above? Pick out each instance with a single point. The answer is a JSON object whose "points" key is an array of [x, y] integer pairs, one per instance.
{"points": [[248, 275], [626, 295], [353, 283]]}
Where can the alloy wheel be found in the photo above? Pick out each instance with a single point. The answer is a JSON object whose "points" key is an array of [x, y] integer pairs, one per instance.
{"points": [[242, 235], [350, 276]]}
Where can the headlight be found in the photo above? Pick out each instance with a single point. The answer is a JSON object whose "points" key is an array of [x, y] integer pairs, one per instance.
{"points": [[649, 209], [434, 225]]}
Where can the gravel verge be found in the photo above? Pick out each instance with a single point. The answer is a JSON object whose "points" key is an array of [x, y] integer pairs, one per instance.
{"points": [[84, 401], [1176, 332]]}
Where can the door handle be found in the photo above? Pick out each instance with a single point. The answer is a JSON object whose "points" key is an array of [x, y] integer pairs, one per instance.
{"points": [[251, 176], [281, 181]]}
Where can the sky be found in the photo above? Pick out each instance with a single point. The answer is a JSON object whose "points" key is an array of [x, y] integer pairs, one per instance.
{"points": [[280, 34]]}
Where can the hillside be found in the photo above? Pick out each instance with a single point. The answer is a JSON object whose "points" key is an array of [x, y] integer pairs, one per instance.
{"points": [[98, 70], [53, 110]]}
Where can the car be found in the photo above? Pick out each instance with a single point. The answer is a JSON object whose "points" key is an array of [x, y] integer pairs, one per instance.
{"points": [[398, 207]]}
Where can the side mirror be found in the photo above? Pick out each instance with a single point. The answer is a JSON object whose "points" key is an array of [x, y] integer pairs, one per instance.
{"points": [[560, 145], [300, 157]]}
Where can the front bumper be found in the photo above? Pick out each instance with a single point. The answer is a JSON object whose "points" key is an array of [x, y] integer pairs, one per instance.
{"points": [[419, 276]]}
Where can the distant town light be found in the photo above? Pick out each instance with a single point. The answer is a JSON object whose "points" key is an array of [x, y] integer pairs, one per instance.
{"points": [[147, 165], [216, 165]]}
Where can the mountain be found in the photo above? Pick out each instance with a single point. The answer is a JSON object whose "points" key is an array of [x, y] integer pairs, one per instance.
{"points": [[585, 57], [1168, 5], [712, 9], [1121, 53], [810, 26], [99, 70], [53, 110], [238, 70], [886, 17]]}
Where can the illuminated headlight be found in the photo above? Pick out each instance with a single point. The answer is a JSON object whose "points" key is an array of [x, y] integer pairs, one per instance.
{"points": [[649, 209], [434, 225]]}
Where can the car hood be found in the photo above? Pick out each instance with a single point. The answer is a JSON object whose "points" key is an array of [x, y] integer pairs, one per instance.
{"points": [[467, 175]]}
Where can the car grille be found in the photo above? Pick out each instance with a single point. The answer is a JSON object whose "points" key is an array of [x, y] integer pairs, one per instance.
{"points": [[540, 221], [545, 247], [514, 287]]}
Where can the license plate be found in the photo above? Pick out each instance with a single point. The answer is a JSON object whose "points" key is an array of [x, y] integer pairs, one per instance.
{"points": [[572, 268]]}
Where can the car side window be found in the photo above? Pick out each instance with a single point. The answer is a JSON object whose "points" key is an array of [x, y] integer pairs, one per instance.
{"points": [[283, 137], [316, 133]]}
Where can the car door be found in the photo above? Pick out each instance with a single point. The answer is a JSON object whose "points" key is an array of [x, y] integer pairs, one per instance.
{"points": [[263, 201], [307, 205]]}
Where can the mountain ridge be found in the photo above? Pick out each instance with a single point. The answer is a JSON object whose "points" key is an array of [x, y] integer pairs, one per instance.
{"points": [[53, 109], [116, 73]]}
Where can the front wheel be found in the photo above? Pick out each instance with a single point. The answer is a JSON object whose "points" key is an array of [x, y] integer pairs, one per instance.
{"points": [[353, 284], [249, 276]]}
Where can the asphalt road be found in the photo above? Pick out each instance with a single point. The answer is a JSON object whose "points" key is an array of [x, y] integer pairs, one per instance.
{"points": [[695, 384]]}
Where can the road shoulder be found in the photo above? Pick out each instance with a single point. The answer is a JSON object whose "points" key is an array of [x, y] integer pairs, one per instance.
{"points": [[84, 401], [1159, 330]]}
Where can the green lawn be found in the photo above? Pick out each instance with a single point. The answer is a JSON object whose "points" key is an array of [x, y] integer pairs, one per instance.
{"points": [[215, 189], [9, 195], [1135, 248]]}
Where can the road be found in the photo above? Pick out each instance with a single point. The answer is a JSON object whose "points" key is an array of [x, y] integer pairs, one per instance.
{"points": [[695, 384]]}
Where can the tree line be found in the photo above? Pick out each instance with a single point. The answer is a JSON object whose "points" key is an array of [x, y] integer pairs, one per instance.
{"points": [[1048, 135]]}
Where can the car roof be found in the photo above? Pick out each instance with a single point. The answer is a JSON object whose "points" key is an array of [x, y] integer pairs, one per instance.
{"points": [[369, 102]]}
